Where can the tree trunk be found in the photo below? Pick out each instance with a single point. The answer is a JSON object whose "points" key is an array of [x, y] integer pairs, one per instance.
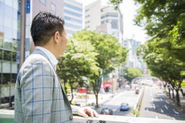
{"points": [[96, 95], [71, 92], [173, 94], [169, 92], [177, 97], [72, 95], [65, 88]]}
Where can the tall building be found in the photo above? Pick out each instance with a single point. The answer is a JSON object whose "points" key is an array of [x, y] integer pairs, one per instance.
{"points": [[73, 16], [36, 6], [115, 19], [10, 16], [105, 19], [92, 15]]}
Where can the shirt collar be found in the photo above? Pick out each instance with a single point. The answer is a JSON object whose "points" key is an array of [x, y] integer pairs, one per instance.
{"points": [[51, 57]]}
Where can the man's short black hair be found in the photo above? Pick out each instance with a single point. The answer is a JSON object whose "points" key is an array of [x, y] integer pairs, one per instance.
{"points": [[44, 26]]}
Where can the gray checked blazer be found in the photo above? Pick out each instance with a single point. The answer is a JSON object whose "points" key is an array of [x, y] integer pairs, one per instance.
{"points": [[39, 96]]}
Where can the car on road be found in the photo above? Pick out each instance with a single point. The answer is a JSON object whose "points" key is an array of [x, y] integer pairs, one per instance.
{"points": [[137, 91], [124, 107], [106, 111]]}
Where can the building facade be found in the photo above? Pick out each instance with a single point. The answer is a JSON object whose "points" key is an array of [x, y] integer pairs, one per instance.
{"points": [[92, 15], [36, 6], [105, 19], [73, 16], [10, 17], [9, 40]]}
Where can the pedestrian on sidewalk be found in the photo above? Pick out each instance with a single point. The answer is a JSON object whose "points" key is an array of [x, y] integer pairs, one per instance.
{"points": [[39, 95]]}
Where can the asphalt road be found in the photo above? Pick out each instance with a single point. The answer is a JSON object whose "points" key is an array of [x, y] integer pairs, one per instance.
{"points": [[156, 105], [124, 97]]}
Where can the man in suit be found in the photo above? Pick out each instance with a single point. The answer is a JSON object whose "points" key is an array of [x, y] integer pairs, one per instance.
{"points": [[39, 96]]}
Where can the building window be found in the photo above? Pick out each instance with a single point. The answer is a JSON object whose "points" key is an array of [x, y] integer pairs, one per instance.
{"points": [[53, 7], [87, 27], [72, 19], [87, 22], [72, 13], [70, 31], [110, 15], [114, 24], [43, 2], [72, 7], [72, 26], [87, 16], [86, 10]]}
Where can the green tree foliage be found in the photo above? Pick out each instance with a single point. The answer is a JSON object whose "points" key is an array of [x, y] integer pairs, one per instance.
{"points": [[132, 73], [161, 64], [78, 61], [115, 3], [110, 54], [164, 53], [164, 22]]}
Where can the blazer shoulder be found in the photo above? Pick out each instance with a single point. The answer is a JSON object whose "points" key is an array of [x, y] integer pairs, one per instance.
{"points": [[34, 59]]}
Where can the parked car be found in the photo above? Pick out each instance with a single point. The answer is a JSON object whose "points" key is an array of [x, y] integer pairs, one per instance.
{"points": [[106, 111], [137, 91], [124, 107]]}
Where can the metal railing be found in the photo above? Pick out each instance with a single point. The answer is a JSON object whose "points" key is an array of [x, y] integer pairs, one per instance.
{"points": [[8, 115]]}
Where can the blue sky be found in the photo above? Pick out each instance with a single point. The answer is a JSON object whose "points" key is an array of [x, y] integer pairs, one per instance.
{"points": [[129, 11]]}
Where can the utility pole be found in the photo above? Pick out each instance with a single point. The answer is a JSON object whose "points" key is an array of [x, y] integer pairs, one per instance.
{"points": [[22, 32]]}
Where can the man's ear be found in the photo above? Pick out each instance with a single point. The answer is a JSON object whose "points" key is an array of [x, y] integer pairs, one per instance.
{"points": [[56, 37]]}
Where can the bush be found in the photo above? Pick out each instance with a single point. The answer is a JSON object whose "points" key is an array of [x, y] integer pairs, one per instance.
{"points": [[134, 112], [83, 96]]}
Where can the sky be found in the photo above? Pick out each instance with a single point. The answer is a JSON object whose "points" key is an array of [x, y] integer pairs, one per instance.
{"points": [[128, 9]]}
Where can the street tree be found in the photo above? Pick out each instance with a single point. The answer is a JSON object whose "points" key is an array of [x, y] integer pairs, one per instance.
{"points": [[78, 61], [110, 55], [164, 52], [132, 73]]}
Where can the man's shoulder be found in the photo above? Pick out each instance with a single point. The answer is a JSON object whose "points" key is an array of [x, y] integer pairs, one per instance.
{"points": [[34, 59]]}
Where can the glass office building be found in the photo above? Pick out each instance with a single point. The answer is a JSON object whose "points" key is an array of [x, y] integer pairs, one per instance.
{"points": [[72, 16], [9, 40]]}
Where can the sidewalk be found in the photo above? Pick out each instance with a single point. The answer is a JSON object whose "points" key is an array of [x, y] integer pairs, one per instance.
{"points": [[102, 98], [182, 99]]}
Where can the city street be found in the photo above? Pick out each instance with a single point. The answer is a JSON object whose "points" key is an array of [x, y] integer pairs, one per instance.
{"points": [[156, 105], [124, 97]]}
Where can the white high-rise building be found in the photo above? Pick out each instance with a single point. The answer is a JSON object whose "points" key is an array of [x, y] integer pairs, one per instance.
{"points": [[92, 15], [113, 17], [104, 19], [73, 15]]}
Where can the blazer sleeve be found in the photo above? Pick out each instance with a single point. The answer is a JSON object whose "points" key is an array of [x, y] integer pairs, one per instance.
{"points": [[36, 91]]}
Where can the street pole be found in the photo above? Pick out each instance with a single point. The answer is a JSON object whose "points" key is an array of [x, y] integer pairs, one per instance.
{"points": [[22, 32]]}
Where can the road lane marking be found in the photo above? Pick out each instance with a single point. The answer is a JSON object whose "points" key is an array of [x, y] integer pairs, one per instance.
{"points": [[162, 110], [175, 112], [156, 117], [152, 99], [161, 99], [167, 102], [166, 107], [153, 106]]}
